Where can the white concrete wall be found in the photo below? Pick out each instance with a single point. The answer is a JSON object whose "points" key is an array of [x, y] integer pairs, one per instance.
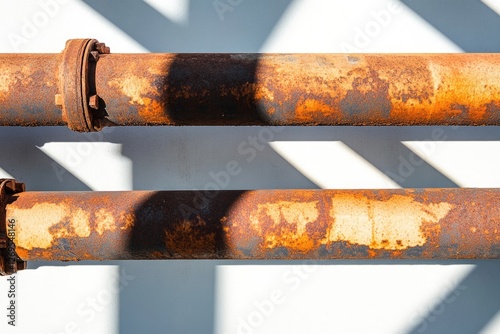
{"points": [[253, 297]]}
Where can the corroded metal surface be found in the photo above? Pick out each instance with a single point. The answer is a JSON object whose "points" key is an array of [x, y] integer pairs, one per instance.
{"points": [[301, 89], [10, 262], [254, 89], [77, 69], [28, 86], [261, 224]]}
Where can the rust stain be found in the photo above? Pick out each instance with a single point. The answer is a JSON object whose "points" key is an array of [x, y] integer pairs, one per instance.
{"points": [[262, 92], [126, 220], [20, 76], [13, 77], [134, 87], [380, 89], [393, 224], [105, 221], [288, 223], [80, 222], [145, 96], [260, 224], [190, 239], [264, 89], [5, 81], [153, 112], [310, 108], [416, 84], [35, 226]]}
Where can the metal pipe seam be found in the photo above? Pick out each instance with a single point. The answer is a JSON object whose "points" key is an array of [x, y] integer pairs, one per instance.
{"points": [[257, 224], [246, 89]]}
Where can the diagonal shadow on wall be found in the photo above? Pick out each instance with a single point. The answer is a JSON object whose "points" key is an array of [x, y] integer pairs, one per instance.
{"points": [[23, 153], [470, 24], [408, 169], [243, 29], [468, 307]]}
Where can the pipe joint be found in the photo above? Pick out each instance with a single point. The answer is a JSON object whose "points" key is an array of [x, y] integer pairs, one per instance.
{"points": [[82, 108]]}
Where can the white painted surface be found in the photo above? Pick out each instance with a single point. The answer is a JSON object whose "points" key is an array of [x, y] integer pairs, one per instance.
{"points": [[231, 297]]}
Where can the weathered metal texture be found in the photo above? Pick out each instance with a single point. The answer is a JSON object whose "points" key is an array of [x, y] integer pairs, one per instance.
{"points": [[261, 224], [300, 89], [248, 89], [10, 262], [28, 86], [76, 88]]}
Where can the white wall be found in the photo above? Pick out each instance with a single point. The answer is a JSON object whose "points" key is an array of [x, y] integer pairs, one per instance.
{"points": [[253, 297]]}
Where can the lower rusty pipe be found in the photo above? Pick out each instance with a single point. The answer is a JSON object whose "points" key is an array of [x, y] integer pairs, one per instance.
{"points": [[259, 224], [86, 88]]}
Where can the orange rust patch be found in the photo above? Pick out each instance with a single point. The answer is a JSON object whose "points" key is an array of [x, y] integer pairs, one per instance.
{"points": [[394, 224], [262, 92], [307, 110], [284, 223], [105, 221], [143, 93], [153, 111], [127, 220]]}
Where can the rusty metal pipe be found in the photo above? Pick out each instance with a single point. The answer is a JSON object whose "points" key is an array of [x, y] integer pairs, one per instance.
{"points": [[28, 86], [93, 88], [259, 224]]}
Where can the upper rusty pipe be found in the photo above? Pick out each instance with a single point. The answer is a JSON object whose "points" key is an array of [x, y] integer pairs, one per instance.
{"points": [[52, 89], [86, 88], [260, 224]]}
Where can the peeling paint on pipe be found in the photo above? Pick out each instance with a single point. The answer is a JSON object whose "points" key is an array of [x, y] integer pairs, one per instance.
{"points": [[253, 89], [259, 224]]}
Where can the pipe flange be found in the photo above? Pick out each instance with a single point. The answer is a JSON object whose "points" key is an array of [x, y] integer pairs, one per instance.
{"points": [[78, 98], [10, 262]]}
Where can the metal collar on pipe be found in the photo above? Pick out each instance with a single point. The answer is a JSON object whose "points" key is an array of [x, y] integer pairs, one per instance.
{"points": [[79, 99]]}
